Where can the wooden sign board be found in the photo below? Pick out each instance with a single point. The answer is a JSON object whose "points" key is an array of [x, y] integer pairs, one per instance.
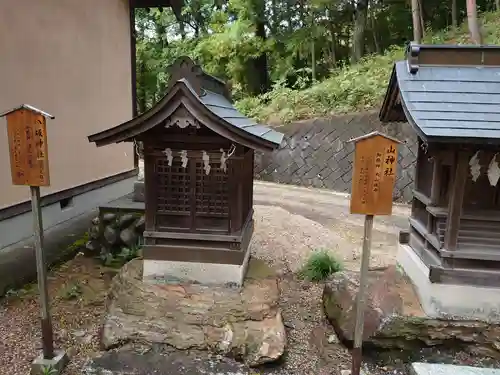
{"points": [[374, 173], [27, 136]]}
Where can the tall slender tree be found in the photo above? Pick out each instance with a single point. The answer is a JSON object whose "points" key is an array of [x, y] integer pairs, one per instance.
{"points": [[417, 26], [475, 32]]}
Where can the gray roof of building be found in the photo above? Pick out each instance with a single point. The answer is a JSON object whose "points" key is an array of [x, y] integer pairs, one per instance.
{"points": [[450, 102], [246, 130], [223, 108]]}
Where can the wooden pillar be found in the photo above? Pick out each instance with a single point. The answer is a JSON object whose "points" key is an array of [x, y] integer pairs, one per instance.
{"points": [[150, 193], [235, 196], [456, 200], [436, 180]]}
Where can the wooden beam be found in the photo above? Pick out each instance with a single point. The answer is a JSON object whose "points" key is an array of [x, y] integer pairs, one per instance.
{"points": [[456, 200], [463, 276], [193, 254], [193, 236], [404, 237], [436, 181]]}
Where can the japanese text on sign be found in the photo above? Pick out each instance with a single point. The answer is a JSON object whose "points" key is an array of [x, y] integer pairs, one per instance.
{"points": [[28, 148], [373, 176]]}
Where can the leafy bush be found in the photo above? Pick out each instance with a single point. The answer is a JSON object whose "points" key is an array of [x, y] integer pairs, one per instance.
{"points": [[319, 266], [49, 370], [357, 87], [72, 291], [125, 255]]}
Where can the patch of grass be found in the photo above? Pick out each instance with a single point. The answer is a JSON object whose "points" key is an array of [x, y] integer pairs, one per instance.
{"points": [[358, 87], [125, 255], [319, 266], [72, 291], [49, 370], [26, 290]]}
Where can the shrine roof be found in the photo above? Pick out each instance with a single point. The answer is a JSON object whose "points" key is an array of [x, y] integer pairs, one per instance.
{"points": [[447, 93], [207, 98]]}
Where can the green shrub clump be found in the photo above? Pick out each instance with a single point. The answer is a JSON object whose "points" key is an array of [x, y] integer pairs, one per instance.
{"points": [[319, 266]]}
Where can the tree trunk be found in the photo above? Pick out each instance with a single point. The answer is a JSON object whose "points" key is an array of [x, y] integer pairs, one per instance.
{"points": [[454, 15], [313, 47], [497, 5], [473, 23], [182, 30], [358, 37], [373, 26], [142, 94], [417, 26], [421, 16]]}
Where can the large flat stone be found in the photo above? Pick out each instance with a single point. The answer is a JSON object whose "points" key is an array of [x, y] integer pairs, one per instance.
{"points": [[441, 369], [179, 363], [241, 322], [395, 319]]}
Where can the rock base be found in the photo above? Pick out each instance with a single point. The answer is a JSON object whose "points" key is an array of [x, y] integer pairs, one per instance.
{"points": [[394, 318], [127, 361], [244, 323]]}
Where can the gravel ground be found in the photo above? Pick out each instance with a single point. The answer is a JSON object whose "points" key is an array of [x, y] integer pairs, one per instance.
{"points": [[77, 290], [282, 239]]}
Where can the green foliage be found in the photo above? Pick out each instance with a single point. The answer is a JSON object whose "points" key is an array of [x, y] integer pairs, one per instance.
{"points": [[319, 266], [351, 88], [125, 255], [72, 291], [49, 370], [287, 60], [27, 290]]}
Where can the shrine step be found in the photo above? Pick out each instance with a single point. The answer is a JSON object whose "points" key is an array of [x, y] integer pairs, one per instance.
{"points": [[442, 369]]}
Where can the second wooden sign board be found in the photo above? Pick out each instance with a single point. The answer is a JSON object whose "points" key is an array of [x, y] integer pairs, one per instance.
{"points": [[374, 174]]}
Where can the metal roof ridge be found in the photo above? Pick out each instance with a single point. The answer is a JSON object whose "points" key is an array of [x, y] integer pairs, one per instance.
{"points": [[28, 107]]}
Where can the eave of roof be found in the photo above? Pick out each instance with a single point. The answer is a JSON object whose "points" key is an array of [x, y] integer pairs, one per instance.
{"points": [[455, 104], [248, 133]]}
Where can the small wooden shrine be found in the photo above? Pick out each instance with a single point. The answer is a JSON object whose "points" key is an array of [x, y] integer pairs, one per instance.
{"points": [[198, 166], [450, 95]]}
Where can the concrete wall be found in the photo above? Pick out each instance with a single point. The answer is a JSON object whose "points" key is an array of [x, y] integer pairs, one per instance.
{"points": [[63, 227], [70, 58], [317, 153], [20, 227]]}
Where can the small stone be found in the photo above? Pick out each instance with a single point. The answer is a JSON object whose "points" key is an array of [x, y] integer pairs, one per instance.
{"points": [[110, 235], [95, 221], [348, 372], [333, 339], [79, 333], [94, 232], [140, 225], [92, 247], [108, 217], [129, 237], [126, 220], [88, 339]]}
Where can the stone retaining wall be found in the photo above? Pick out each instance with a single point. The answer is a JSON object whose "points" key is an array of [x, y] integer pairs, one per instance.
{"points": [[317, 153], [111, 233]]}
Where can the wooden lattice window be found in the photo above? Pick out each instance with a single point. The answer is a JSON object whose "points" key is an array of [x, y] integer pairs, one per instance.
{"points": [[211, 191], [173, 187]]}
